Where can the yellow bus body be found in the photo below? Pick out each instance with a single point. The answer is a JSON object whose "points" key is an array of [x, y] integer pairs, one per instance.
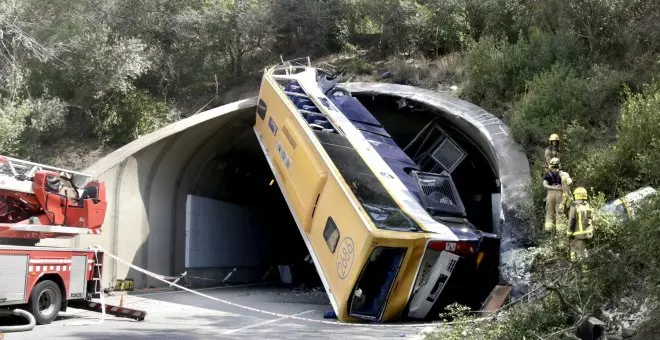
{"points": [[339, 233]]}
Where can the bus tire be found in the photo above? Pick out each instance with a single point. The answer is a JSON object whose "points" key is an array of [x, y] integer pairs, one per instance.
{"points": [[45, 302]]}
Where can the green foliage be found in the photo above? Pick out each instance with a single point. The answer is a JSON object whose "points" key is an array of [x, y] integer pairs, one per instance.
{"points": [[498, 70], [401, 22], [25, 123], [307, 27], [553, 99], [642, 236], [631, 162], [561, 99], [12, 123], [519, 322], [620, 272], [123, 60], [638, 133], [125, 118]]}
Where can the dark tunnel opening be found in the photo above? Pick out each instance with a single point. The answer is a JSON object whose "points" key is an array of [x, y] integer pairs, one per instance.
{"points": [[240, 176]]}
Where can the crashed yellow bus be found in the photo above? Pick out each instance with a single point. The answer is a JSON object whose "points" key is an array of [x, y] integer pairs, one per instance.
{"points": [[388, 240]]}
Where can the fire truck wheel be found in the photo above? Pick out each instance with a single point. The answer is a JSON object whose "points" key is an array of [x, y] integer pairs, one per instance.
{"points": [[45, 301]]}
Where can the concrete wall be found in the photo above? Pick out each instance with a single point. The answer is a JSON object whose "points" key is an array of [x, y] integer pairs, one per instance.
{"points": [[149, 179], [215, 233]]}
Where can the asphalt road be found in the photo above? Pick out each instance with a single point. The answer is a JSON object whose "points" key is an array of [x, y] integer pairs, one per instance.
{"points": [[184, 315]]}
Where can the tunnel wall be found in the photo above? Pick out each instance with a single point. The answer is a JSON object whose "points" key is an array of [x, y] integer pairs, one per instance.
{"points": [[148, 180]]}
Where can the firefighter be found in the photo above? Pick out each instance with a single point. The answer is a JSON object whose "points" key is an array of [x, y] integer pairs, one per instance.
{"points": [[553, 184], [53, 184], [552, 151], [579, 223]]}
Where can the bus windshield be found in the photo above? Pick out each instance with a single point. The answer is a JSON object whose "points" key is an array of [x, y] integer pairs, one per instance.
{"points": [[373, 197]]}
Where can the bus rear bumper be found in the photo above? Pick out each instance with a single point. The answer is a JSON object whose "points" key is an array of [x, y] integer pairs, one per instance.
{"points": [[445, 278]]}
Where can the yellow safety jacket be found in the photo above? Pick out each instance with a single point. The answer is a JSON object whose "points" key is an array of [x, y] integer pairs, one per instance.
{"points": [[579, 220]]}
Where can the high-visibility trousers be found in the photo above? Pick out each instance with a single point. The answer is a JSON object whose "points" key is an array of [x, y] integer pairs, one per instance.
{"points": [[554, 216], [577, 248]]}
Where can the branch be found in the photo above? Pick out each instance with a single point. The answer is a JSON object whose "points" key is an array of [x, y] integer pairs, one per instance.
{"points": [[573, 327], [563, 299]]}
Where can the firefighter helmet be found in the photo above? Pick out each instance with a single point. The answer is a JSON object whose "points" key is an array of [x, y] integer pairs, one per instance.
{"points": [[554, 163], [580, 193], [554, 137]]}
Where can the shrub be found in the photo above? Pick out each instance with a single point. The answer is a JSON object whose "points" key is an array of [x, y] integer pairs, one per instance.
{"points": [[633, 160], [638, 133], [562, 98], [128, 117], [431, 74], [28, 122], [12, 124], [498, 70], [554, 98]]}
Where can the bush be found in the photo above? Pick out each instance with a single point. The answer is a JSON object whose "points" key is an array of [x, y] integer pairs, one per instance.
{"points": [[498, 70], [519, 322], [12, 124], [632, 162], [638, 133], [27, 123], [621, 271], [128, 117], [554, 99], [563, 99]]}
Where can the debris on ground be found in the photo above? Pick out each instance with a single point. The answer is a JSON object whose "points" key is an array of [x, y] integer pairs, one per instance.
{"points": [[516, 269]]}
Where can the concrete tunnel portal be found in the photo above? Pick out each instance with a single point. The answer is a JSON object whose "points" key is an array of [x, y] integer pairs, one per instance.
{"points": [[197, 195]]}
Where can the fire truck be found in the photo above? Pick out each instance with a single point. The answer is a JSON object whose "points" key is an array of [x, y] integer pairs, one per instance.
{"points": [[40, 202]]}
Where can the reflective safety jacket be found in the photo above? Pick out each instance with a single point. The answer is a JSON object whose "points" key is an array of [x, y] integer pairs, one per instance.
{"points": [[579, 220], [550, 153]]}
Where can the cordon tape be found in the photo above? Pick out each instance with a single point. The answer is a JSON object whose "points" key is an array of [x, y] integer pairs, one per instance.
{"points": [[160, 278]]}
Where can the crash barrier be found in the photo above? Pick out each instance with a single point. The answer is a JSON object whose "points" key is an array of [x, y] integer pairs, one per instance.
{"points": [[279, 315]]}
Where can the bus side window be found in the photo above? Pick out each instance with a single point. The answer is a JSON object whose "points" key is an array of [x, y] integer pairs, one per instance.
{"points": [[331, 234]]}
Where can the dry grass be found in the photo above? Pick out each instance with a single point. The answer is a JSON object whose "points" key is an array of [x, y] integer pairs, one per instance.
{"points": [[71, 154], [436, 74]]}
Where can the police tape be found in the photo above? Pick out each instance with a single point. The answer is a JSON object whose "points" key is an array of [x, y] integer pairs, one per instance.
{"points": [[279, 315]]}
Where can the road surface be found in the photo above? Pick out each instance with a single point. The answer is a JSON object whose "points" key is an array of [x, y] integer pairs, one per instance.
{"points": [[183, 315]]}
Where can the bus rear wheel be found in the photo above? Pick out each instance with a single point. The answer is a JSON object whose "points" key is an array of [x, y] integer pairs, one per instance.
{"points": [[45, 302]]}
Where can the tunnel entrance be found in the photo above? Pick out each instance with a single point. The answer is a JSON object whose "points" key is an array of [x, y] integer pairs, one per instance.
{"points": [[239, 228]]}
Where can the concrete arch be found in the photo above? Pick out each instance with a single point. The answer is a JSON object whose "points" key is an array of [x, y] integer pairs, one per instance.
{"points": [[148, 179]]}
